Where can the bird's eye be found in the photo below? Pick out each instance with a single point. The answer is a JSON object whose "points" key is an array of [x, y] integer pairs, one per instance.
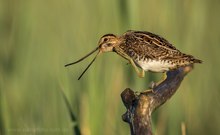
{"points": [[105, 39]]}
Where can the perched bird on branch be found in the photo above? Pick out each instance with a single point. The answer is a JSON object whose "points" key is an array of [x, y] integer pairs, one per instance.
{"points": [[148, 51]]}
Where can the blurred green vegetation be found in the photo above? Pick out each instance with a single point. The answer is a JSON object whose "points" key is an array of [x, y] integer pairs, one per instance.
{"points": [[38, 37]]}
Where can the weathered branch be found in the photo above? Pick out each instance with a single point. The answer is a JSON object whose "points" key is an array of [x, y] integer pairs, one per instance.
{"points": [[140, 107]]}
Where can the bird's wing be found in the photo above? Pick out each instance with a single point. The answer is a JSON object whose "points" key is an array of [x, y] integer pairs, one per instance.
{"points": [[152, 39], [151, 45]]}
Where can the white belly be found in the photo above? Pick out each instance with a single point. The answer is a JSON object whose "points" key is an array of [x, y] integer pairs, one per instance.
{"points": [[155, 66]]}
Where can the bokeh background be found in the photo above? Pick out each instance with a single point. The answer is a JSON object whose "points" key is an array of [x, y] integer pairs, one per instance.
{"points": [[38, 37]]}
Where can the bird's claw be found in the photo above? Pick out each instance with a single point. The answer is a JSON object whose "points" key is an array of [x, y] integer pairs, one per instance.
{"points": [[152, 85]]}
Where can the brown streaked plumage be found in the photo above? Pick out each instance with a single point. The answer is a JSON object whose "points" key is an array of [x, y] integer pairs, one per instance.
{"points": [[142, 49]]}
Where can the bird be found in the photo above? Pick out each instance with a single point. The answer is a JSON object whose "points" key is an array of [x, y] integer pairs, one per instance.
{"points": [[145, 51]]}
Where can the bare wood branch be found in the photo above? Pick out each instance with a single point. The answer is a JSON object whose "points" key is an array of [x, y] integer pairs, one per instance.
{"points": [[140, 107]]}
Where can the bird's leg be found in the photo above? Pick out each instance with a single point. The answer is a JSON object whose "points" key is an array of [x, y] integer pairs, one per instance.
{"points": [[164, 76], [141, 73], [154, 84]]}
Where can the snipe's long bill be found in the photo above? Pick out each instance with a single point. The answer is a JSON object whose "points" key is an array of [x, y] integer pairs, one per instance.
{"points": [[83, 59], [144, 50]]}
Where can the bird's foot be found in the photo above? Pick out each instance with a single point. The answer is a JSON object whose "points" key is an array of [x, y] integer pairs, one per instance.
{"points": [[149, 91], [152, 85]]}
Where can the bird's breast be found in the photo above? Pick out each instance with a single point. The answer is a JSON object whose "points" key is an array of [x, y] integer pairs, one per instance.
{"points": [[154, 65]]}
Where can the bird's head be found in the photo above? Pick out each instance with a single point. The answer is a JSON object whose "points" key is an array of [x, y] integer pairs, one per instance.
{"points": [[106, 44]]}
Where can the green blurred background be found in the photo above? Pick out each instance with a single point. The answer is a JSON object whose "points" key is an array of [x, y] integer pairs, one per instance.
{"points": [[38, 37]]}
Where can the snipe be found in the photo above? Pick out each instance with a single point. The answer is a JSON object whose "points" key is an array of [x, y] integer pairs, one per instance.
{"points": [[142, 49]]}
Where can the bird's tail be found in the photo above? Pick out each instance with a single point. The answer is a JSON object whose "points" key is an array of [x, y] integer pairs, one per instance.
{"points": [[197, 61], [191, 59]]}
